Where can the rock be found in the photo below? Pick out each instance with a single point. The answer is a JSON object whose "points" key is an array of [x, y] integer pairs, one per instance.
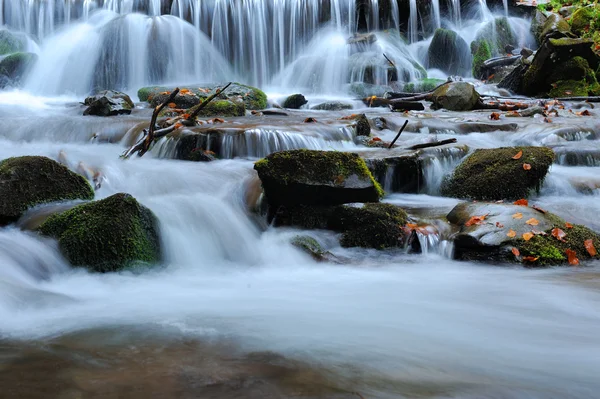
{"points": [[32, 180], [224, 108], [365, 38], [449, 53], [537, 24], [493, 174], [514, 80], [422, 85], [9, 43], [583, 18], [311, 246], [482, 53], [372, 225], [498, 34], [112, 234], [526, 53], [108, 103], [456, 96], [332, 106], [316, 178], [488, 241], [253, 98], [362, 126], [15, 66], [295, 101], [554, 27], [554, 55], [200, 155], [367, 90]]}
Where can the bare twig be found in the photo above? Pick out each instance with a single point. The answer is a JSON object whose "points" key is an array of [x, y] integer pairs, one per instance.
{"points": [[433, 144], [189, 121], [399, 133], [390, 61]]}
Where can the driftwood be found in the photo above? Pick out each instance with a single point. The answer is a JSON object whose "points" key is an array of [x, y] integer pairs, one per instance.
{"points": [[399, 133], [399, 98], [500, 61], [433, 144], [592, 99], [407, 106], [142, 146]]}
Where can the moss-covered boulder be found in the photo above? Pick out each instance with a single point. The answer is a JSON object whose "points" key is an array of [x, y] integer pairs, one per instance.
{"points": [[481, 53], [332, 106], [294, 101], [554, 56], [494, 174], [32, 180], [583, 18], [504, 228], [456, 96], [113, 234], [371, 225], [15, 66], [9, 43], [498, 34], [224, 108], [108, 103], [554, 27], [449, 53], [316, 178]]}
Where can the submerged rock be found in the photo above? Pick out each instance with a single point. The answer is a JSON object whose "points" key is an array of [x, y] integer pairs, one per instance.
{"points": [[295, 101], [108, 103], [316, 178], [311, 246], [14, 67], [332, 106], [371, 225], [494, 174], [32, 180], [503, 229], [449, 53], [112, 234], [456, 96]]}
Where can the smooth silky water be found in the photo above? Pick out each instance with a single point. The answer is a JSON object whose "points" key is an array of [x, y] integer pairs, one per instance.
{"points": [[237, 311]]}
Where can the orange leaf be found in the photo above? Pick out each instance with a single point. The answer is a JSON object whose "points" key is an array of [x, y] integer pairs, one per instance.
{"points": [[178, 125], [583, 113], [475, 220], [172, 105], [589, 246], [218, 120], [516, 252], [411, 225], [526, 166], [527, 236], [518, 216], [494, 116], [310, 120], [532, 222], [499, 225], [349, 117], [572, 257], [530, 258], [568, 225], [558, 234], [521, 202], [375, 139], [511, 233], [518, 156]]}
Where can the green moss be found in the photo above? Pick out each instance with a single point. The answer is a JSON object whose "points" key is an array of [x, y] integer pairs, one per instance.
{"points": [[221, 108], [422, 86], [255, 98], [482, 54], [16, 64], [492, 174], [9, 43], [108, 235], [569, 88], [32, 180], [309, 245]]}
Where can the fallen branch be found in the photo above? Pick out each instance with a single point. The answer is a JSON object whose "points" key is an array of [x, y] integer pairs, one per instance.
{"points": [[433, 144], [407, 106], [390, 61], [593, 99], [191, 119], [399, 133]]}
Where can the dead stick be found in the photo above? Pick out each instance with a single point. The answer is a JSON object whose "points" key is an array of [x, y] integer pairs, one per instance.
{"points": [[434, 144], [399, 133], [390, 61], [193, 115], [157, 110]]}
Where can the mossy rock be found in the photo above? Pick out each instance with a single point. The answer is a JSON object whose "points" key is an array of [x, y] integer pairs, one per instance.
{"points": [[310, 246], [9, 43], [490, 240], [493, 174], [33, 180], [583, 17], [112, 234], [332, 106], [294, 101], [370, 225], [422, 85], [455, 96], [554, 27], [480, 56], [108, 103], [224, 108], [498, 34], [316, 178], [14, 66], [449, 53], [569, 88]]}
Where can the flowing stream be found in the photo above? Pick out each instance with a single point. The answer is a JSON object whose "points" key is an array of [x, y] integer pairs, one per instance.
{"points": [[236, 310]]}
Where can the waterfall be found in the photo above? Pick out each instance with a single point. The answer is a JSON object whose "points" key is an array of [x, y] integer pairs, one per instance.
{"points": [[413, 32], [435, 6]]}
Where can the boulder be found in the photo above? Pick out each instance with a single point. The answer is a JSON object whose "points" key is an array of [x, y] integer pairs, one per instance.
{"points": [[481, 53], [14, 67], [494, 174], [371, 225], [498, 34], [362, 125], [108, 103], [225, 108], [332, 106], [295, 101], [553, 55], [32, 180], [449, 53], [583, 17], [9, 43], [492, 239], [191, 95], [316, 178], [554, 27], [456, 96], [513, 81], [112, 234]]}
